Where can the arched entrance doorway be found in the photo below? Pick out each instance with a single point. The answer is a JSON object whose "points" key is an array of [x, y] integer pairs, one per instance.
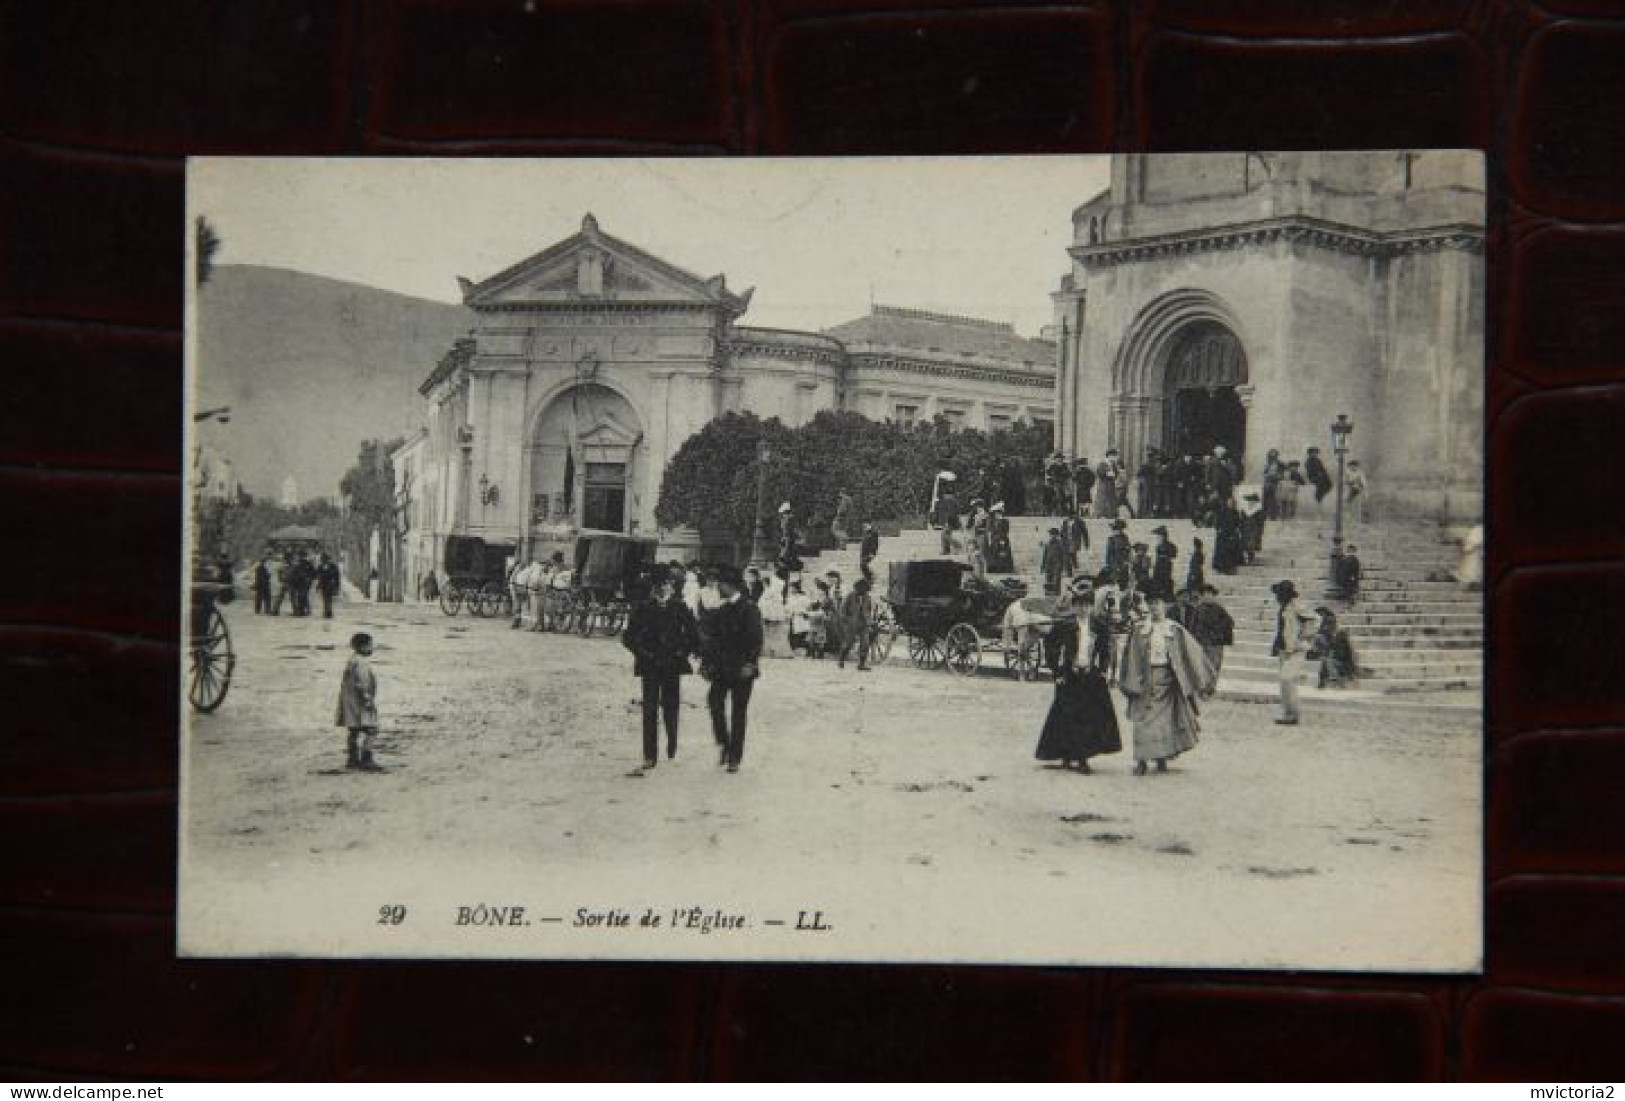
{"points": [[584, 467], [1202, 407], [1179, 383]]}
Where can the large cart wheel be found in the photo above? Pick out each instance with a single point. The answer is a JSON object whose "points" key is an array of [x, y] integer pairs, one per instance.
{"points": [[496, 600], [561, 612], [212, 663], [963, 649], [882, 633], [451, 598], [925, 651], [1025, 658]]}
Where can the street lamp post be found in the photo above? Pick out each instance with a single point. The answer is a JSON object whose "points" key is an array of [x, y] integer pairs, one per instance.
{"points": [[1342, 428], [758, 545]]}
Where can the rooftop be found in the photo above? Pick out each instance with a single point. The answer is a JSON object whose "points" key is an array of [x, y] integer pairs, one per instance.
{"points": [[952, 334]]}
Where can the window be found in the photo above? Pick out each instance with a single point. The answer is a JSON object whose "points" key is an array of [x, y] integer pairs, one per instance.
{"points": [[906, 415], [954, 417], [604, 502], [997, 422]]}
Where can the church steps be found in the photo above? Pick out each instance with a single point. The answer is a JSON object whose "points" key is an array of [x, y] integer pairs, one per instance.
{"points": [[1412, 632], [1261, 637]]}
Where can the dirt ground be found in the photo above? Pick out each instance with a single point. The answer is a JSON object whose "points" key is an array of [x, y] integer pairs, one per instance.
{"points": [[903, 807]]}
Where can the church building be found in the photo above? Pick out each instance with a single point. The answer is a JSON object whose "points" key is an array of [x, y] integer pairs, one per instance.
{"points": [[1248, 299], [591, 362]]}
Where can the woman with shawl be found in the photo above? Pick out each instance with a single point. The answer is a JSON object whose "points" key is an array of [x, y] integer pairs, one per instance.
{"points": [[1163, 674]]}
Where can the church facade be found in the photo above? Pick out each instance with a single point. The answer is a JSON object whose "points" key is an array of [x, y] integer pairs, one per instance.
{"points": [[591, 362], [1248, 299]]}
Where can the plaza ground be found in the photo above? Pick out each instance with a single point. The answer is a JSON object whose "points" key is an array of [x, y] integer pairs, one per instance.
{"points": [[903, 805]]}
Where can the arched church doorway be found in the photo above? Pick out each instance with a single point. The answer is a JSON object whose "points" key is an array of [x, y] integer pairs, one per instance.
{"points": [[584, 469], [1202, 404]]}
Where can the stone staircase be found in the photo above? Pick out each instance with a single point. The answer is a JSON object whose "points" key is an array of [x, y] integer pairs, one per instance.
{"points": [[1412, 633]]}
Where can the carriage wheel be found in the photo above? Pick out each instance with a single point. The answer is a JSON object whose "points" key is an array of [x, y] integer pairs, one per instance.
{"points": [[496, 600], [963, 649], [212, 663], [451, 599], [924, 652], [586, 616], [883, 631], [561, 610], [1024, 659]]}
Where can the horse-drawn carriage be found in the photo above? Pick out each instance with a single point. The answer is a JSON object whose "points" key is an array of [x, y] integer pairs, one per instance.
{"points": [[211, 658], [476, 577], [952, 617], [595, 600]]}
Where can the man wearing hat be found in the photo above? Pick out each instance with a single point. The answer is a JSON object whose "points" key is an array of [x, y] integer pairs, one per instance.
{"points": [[855, 614], [941, 484], [1105, 491], [789, 542], [1051, 562], [1318, 476], [867, 550], [1162, 573], [1221, 475], [661, 634], [1294, 628], [1075, 537], [1118, 552], [979, 534], [1252, 534], [1000, 558], [1347, 573], [1141, 567], [947, 516], [730, 648]]}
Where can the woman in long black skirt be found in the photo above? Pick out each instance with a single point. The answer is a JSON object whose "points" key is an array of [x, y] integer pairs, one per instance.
{"points": [[1082, 723]]}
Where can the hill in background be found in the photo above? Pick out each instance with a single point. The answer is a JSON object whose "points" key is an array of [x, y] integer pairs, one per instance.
{"points": [[312, 366]]}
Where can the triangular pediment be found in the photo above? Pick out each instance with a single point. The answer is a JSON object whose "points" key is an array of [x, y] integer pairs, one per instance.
{"points": [[593, 267], [608, 432]]}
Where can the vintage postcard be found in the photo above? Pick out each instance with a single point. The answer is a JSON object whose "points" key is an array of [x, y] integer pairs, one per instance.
{"points": [[1064, 560]]}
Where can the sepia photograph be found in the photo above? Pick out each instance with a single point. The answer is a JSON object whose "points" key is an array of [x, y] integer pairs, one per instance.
{"points": [[1069, 560]]}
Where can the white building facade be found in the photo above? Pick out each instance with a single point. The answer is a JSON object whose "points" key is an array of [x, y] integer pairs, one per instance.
{"points": [[591, 362]]}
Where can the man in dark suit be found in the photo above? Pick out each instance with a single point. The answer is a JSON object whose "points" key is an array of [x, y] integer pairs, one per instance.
{"points": [[327, 583], [867, 552], [304, 575], [730, 647], [661, 635], [948, 518]]}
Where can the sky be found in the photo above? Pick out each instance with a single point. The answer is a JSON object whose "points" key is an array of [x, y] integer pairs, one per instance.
{"points": [[819, 239]]}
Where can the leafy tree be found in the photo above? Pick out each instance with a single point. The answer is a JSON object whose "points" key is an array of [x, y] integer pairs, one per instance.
{"points": [[886, 467], [369, 488]]}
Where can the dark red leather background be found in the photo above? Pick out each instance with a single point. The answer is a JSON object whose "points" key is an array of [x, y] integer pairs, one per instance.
{"points": [[100, 101]]}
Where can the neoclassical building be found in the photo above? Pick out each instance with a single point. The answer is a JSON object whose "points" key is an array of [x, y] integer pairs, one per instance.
{"points": [[592, 361], [1248, 298]]}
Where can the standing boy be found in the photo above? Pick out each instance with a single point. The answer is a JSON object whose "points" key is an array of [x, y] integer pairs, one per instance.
{"points": [[358, 705]]}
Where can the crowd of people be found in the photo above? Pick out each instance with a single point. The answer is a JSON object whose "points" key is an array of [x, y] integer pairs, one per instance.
{"points": [[290, 579], [1189, 486], [1132, 625]]}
